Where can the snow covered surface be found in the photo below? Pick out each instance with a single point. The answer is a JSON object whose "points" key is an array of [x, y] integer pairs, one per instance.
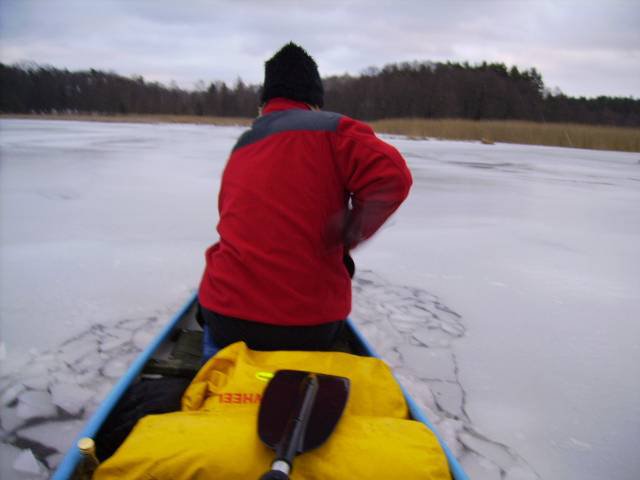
{"points": [[505, 292]]}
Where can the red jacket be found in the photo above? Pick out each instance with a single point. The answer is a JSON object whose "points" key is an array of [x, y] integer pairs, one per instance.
{"points": [[284, 221]]}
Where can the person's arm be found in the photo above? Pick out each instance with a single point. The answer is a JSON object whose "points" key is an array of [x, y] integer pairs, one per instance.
{"points": [[376, 176]]}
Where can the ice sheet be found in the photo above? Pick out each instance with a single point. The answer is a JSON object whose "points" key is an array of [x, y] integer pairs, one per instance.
{"points": [[521, 264]]}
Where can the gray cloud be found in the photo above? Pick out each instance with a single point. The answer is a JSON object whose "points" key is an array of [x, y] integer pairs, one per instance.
{"points": [[585, 48]]}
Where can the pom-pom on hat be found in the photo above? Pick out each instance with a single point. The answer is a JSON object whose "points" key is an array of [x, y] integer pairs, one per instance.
{"points": [[292, 73]]}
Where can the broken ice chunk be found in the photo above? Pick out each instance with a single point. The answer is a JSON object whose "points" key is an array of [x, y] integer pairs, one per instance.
{"points": [[33, 404], [111, 343], [27, 463], [100, 392], [64, 375], [452, 328], [35, 368], [35, 375], [114, 335], [449, 397], [11, 394], [6, 382], [74, 351], [402, 326], [8, 455], [132, 324], [429, 363], [418, 313], [87, 378], [115, 368], [91, 362], [57, 435], [37, 383], [420, 391], [9, 419], [496, 452], [433, 337], [70, 397]]}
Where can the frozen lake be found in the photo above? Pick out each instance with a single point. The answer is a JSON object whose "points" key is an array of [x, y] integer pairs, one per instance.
{"points": [[505, 292]]}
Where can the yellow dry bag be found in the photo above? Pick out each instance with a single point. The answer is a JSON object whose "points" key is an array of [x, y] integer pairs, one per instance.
{"points": [[215, 436]]}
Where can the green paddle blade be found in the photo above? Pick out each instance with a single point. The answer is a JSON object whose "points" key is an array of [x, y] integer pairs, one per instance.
{"points": [[311, 402]]}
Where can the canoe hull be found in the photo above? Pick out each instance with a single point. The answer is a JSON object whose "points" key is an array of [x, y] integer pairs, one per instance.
{"points": [[157, 349]]}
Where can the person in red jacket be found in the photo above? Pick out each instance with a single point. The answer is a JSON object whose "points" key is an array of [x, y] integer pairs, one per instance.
{"points": [[302, 187]]}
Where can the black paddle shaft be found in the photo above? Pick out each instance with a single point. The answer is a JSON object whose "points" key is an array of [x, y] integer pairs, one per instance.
{"points": [[294, 434]]}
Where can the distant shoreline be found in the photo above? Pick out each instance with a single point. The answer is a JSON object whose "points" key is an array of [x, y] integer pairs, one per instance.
{"points": [[133, 118], [593, 137]]}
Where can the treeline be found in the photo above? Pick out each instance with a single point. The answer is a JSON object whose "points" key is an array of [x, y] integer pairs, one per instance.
{"points": [[419, 89], [39, 89], [480, 92]]}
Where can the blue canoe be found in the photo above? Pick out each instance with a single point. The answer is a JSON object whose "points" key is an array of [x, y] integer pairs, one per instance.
{"points": [[184, 320]]}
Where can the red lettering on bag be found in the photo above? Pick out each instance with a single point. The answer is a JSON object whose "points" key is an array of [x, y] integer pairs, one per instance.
{"points": [[239, 397]]}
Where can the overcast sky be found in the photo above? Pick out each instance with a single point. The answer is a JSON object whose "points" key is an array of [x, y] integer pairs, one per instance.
{"points": [[586, 47]]}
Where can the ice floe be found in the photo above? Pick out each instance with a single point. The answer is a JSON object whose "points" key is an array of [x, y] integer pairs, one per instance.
{"points": [[35, 404], [9, 419], [115, 368], [70, 397], [57, 435], [26, 464], [10, 395], [46, 402], [8, 455]]}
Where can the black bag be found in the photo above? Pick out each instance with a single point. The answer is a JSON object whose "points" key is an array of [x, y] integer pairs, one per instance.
{"points": [[147, 397]]}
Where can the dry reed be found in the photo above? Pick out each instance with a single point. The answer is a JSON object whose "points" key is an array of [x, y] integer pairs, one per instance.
{"points": [[488, 132], [511, 131]]}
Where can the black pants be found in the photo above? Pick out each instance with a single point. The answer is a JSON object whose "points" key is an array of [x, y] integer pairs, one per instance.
{"points": [[261, 336]]}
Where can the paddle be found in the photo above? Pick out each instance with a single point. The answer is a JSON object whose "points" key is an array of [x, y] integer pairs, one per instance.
{"points": [[298, 412]]}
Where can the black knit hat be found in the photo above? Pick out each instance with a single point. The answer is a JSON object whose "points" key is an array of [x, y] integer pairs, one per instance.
{"points": [[293, 74]]}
